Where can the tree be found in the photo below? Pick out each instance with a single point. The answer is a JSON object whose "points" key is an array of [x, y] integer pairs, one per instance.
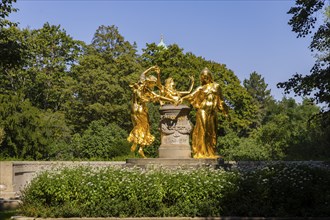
{"points": [[30, 132], [291, 134], [12, 45], [27, 130], [101, 141], [102, 79], [257, 88], [14, 55], [317, 83], [40, 67], [5, 9], [288, 133], [53, 53]]}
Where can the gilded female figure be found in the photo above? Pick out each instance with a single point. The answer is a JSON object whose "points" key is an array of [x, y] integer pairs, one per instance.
{"points": [[208, 100], [142, 94], [170, 92]]}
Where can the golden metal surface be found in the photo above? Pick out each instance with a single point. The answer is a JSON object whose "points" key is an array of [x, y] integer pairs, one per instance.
{"points": [[142, 94], [208, 100], [170, 92]]}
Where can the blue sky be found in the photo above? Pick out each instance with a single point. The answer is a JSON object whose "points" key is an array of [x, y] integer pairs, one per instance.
{"points": [[245, 35]]}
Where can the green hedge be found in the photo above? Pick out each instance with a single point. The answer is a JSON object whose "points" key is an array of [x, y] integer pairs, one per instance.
{"points": [[276, 190]]}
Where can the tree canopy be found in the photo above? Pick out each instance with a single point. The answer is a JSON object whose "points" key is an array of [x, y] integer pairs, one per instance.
{"points": [[61, 98]]}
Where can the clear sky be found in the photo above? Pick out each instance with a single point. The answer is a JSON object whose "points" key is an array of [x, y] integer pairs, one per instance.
{"points": [[245, 35]]}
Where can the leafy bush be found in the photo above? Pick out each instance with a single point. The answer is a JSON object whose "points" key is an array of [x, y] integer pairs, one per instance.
{"points": [[235, 148], [126, 192], [6, 215], [281, 190], [101, 141], [29, 131], [275, 190]]}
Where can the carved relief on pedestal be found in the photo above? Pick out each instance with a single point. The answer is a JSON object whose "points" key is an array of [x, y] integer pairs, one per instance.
{"points": [[175, 131]]}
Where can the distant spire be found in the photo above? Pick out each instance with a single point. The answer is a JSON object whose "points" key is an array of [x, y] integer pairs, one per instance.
{"points": [[161, 43]]}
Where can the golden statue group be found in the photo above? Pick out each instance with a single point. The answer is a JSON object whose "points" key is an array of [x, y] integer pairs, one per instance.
{"points": [[207, 99]]}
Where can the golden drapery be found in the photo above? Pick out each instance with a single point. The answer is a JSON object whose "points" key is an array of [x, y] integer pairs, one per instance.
{"points": [[140, 133], [208, 100], [142, 94]]}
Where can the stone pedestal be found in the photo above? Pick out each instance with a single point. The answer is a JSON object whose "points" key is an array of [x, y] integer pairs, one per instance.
{"points": [[175, 129]]}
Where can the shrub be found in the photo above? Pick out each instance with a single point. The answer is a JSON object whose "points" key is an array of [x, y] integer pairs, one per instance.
{"points": [[101, 141], [281, 190], [116, 192], [275, 190], [234, 148]]}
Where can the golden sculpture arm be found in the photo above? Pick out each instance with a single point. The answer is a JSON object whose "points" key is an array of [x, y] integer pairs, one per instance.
{"points": [[192, 95], [191, 86], [159, 83], [145, 73], [222, 106], [162, 98]]}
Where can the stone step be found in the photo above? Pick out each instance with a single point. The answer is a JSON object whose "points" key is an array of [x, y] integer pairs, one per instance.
{"points": [[7, 195], [172, 163]]}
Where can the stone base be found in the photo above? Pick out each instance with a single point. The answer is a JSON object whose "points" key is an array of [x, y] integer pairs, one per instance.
{"points": [[175, 129], [174, 151], [9, 204], [173, 163]]}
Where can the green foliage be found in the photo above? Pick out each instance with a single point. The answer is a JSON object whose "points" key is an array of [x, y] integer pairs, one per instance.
{"points": [[53, 53], [274, 190], [297, 129], [316, 84], [113, 192], [102, 78], [257, 88], [303, 19], [101, 141], [154, 119], [13, 48], [5, 9], [235, 148], [289, 131], [6, 215], [30, 132], [327, 13], [281, 190]]}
